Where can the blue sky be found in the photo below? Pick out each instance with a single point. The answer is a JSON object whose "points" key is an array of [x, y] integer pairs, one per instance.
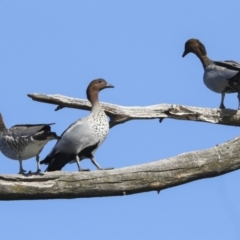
{"points": [[59, 47]]}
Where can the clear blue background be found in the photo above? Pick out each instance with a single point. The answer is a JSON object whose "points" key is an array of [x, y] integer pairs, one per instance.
{"points": [[59, 47]]}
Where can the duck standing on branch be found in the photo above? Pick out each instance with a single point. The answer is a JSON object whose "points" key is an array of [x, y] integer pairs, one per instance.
{"points": [[219, 76], [82, 138], [22, 142]]}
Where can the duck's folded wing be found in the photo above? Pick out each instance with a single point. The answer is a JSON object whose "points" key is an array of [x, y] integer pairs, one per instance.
{"points": [[229, 64], [26, 130], [76, 134], [73, 139]]}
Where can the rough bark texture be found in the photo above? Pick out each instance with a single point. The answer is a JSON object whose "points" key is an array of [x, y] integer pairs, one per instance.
{"points": [[120, 114], [157, 175]]}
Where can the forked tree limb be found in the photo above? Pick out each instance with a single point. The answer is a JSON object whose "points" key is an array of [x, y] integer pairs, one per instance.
{"points": [[152, 176], [120, 114]]}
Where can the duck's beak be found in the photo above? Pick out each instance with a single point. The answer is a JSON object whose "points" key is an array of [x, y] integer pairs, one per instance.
{"points": [[109, 85], [184, 54]]}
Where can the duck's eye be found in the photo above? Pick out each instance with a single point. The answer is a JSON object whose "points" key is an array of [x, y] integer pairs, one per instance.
{"points": [[99, 81]]}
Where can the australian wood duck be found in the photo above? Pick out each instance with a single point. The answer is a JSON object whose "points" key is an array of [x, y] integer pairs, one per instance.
{"points": [[82, 138], [219, 76], [22, 142]]}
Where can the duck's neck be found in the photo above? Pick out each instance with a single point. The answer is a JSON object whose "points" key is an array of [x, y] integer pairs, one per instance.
{"points": [[95, 106], [93, 98], [2, 124], [205, 60]]}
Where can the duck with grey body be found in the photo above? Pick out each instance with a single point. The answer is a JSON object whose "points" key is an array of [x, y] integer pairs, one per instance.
{"points": [[219, 76], [22, 142], [82, 138]]}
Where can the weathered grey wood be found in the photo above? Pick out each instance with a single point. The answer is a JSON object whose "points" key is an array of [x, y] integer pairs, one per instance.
{"points": [[152, 176], [120, 114]]}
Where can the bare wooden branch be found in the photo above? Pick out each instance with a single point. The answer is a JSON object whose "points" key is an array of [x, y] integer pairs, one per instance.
{"points": [[152, 176], [120, 114]]}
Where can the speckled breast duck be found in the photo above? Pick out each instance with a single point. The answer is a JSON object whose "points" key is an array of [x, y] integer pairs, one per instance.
{"points": [[25, 141], [82, 138]]}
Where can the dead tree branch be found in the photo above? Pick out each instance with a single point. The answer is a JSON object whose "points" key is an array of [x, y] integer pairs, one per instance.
{"points": [[120, 114], [152, 176]]}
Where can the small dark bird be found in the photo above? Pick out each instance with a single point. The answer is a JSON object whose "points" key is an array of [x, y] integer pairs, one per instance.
{"points": [[22, 142], [219, 76], [82, 138]]}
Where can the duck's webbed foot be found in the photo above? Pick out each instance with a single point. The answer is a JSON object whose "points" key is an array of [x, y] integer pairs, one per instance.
{"points": [[22, 171], [109, 168]]}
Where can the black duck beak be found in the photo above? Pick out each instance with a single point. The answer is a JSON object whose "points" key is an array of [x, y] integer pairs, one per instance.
{"points": [[109, 85], [184, 54]]}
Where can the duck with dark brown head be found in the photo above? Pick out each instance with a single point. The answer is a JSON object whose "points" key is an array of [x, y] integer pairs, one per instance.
{"points": [[219, 76], [82, 138]]}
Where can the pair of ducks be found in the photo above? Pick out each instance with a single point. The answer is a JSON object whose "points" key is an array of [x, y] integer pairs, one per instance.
{"points": [[81, 139]]}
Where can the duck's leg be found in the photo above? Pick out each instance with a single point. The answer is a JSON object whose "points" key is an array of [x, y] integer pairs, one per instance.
{"points": [[78, 164], [21, 170], [238, 100], [96, 164], [222, 100], [38, 164]]}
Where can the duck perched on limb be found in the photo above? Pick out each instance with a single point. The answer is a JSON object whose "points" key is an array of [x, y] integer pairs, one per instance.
{"points": [[219, 76], [83, 137], [25, 141]]}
